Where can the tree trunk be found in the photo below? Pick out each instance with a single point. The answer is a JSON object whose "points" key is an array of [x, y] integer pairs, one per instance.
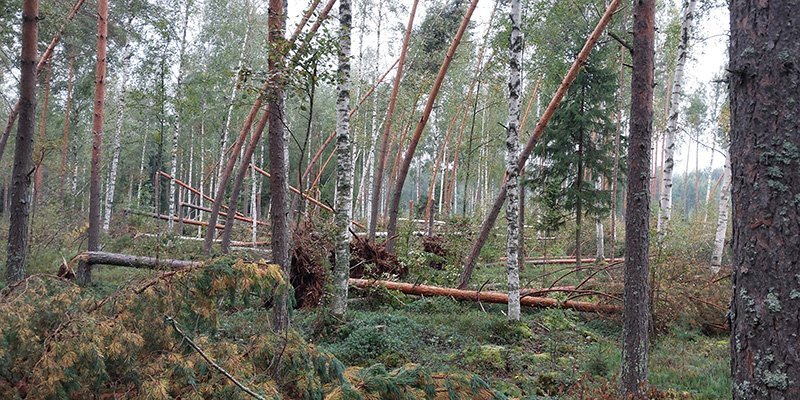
{"points": [[615, 171], [344, 166], [173, 195], [38, 176], [112, 174], [636, 317], [43, 61], [84, 274], [512, 162], [65, 138], [387, 127], [569, 78], [765, 93], [394, 207], [665, 206], [600, 252], [23, 148], [131, 261], [722, 220], [278, 166]]}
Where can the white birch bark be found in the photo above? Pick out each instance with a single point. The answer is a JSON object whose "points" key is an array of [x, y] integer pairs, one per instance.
{"points": [[374, 138], [722, 220], [122, 88], [141, 167], [598, 228], [344, 166], [174, 161], [512, 161], [665, 204]]}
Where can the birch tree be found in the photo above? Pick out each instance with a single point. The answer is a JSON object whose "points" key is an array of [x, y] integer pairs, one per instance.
{"points": [[344, 166], [122, 90], [512, 161], [665, 203], [23, 149], [722, 219], [173, 202]]}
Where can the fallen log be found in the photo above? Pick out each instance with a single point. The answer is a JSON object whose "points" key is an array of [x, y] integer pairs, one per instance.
{"points": [[559, 261], [167, 218], [488, 297], [238, 217], [127, 260]]}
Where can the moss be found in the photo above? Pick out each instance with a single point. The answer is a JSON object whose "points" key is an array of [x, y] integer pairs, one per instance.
{"points": [[488, 356]]}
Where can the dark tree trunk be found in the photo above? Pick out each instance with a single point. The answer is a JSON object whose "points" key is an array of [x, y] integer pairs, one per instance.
{"points": [[765, 91], [84, 269], [278, 167], [23, 149], [637, 222]]}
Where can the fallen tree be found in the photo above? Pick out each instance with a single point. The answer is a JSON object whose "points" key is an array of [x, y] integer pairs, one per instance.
{"points": [[488, 297], [131, 261]]}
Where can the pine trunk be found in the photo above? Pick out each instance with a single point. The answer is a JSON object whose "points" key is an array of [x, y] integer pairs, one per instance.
{"points": [[344, 167], [512, 162], [23, 148], [765, 160], [676, 95], [636, 315]]}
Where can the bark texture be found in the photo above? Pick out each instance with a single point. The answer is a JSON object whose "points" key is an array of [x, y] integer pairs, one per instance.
{"points": [[344, 165], [512, 162], [674, 105], [84, 274], [23, 149], [765, 160], [722, 219], [636, 318]]}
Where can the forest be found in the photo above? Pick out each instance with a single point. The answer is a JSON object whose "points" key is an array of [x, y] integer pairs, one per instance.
{"points": [[399, 199]]}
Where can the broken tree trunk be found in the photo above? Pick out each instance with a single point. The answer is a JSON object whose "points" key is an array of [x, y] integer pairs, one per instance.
{"points": [[131, 261], [488, 297], [488, 223]]}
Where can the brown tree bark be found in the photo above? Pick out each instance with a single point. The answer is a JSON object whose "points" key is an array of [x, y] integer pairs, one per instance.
{"points": [[402, 173], [43, 60], [23, 149], [569, 78], [377, 183], [636, 316], [84, 274], [765, 160]]}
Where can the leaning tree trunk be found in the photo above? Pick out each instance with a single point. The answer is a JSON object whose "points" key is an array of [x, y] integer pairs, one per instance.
{"points": [[173, 195], [665, 206], [569, 78], [278, 167], [344, 166], [722, 220], [636, 315], [387, 127], [765, 160], [84, 274], [512, 162], [23, 149], [112, 174], [402, 173]]}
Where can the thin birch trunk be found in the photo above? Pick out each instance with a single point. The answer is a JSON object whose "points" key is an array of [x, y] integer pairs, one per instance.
{"points": [[344, 167], [122, 89], [600, 254], [665, 206], [65, 136], [722, 220], [141, 167], [370, 181], [173, 202], [512, 163]]}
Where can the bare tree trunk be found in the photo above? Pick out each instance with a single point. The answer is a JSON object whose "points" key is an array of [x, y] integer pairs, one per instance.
{"points": [[38, 176], [65, 138], [615, 171], [600, 252], [665, 206], [569, 78], [112, 175], [173, 202], [636, 314], [279, 167], [43, 60], [84, 274], [406, 164], [23, 148], [370, 164], [765, 93], [512, 162], [387, 126], [344, 167], [722, 220]]}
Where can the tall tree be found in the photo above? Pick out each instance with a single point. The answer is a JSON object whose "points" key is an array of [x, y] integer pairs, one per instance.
{"points": [[84, 269], [122, 91], [176, 108], [278, 164], [765, 160], [512, 161], [676, 95], [636, 318], [23, 149], [722, 218], [344, 166]]}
